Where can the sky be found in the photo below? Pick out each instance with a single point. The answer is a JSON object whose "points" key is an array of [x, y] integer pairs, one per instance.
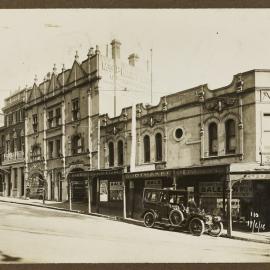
{"points": [[190, 46]]}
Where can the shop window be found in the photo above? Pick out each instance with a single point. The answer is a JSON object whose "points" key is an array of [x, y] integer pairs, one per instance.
{"points": [[230, 136], [158, 139], [120, 149], [213, 140], [50, 119], [58, 148], [111, 154], [146, 144], [35, 123], [77, 144], [50, 149], [75, 109], [116, 191], [58, 117]]}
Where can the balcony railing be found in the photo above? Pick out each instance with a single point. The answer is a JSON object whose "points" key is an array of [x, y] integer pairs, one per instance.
{"points": [[13, 156]]}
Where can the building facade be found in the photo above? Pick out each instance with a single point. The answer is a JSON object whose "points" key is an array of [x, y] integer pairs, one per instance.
{"points": [[13, 145], [62, 117], [212, 142]]}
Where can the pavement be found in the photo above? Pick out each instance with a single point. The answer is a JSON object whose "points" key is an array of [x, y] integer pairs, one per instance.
{"points": [[261, 237]]}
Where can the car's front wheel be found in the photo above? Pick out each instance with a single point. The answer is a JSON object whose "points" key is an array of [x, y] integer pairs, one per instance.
{"points": [[196, 227], [149, 219], [216, 229], [176, 217]]}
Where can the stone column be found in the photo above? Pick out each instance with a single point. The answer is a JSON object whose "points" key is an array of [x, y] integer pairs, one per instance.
{"points": [[19, 182], [7, 182], [12, 181]]}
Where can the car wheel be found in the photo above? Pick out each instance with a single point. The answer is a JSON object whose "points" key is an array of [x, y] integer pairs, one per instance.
{"points": [[176, 217], [149, 219], [216, 229], [196, 227]]}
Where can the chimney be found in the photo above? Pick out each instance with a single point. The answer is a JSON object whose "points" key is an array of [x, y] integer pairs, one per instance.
{"points": [[115, 49], [133, 58]]}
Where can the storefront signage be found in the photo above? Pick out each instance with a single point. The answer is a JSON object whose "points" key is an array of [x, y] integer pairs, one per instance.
{"points": [[201, 171], [116, 191], [153, 183], [116, 185], [215, 189], [211, 189], [265, 95], [103, 190], [82, 174], [152, 174], [252, 176]]}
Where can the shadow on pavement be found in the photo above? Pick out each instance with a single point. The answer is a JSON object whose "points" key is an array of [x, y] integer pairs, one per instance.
{"points": [[7, 258]]}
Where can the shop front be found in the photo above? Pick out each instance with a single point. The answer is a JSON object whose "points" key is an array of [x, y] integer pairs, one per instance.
{"points": [[107, 191], [135, 184]]}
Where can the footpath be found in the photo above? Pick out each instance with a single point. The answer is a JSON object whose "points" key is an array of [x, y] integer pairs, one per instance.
{"points": [[261, 237]]}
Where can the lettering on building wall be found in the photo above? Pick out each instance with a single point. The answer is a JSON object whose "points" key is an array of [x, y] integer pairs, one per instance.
{"points": [[153, 183], [265, 95]]}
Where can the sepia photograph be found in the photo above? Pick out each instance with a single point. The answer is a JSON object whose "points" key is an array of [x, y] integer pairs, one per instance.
{"points": [[134, 136]]}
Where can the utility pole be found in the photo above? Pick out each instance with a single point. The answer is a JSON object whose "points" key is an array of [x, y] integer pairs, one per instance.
{"points": [[151, 59]]}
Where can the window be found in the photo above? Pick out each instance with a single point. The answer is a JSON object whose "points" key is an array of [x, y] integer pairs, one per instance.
{"points": [[3, 140], [76, 145], [58, 148], [58, 117], [158, 139], [213, 142], [19, 143], [111, 154], [50, 149], [50, 119], [35, 123], [7, 146], [75, 109], [12, 142], [146, 145], [36, 153], [230, 136], [120, 149], [10, 119]]}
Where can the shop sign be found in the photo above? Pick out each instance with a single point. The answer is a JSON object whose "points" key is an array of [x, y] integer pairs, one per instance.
{"points": [[153, 183], [201, 171], [116, 185], [211, 189], [150, 174], [82, 174], [265, 95], [252, 176], [103, 190], [254, 223]]}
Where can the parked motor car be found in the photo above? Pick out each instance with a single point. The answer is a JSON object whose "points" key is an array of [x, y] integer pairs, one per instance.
{"points": [[174, 208]]}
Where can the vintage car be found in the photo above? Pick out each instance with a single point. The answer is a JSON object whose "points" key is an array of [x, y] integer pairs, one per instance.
{"points": [[176, 209]]}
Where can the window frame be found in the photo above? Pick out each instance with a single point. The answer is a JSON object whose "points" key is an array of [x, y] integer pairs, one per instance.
{"points": [[146, 148], [212, 138]]}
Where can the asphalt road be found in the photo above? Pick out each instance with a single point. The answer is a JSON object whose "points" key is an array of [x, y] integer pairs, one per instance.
{"points": [[36, 235]]}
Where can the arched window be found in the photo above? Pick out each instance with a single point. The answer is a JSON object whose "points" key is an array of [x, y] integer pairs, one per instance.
{"points": [[213, 141], [146, 144], [158, 139], [120, 149], [76, 144], [230, 136], [111, 154]]}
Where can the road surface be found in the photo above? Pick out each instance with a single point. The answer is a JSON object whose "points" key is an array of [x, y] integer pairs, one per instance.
{"points": [[31, 234]]}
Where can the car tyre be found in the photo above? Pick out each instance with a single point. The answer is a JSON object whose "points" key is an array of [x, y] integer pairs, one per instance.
{"points": [[216, 229], [176, 217], [196, 226], [149, 219]]}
